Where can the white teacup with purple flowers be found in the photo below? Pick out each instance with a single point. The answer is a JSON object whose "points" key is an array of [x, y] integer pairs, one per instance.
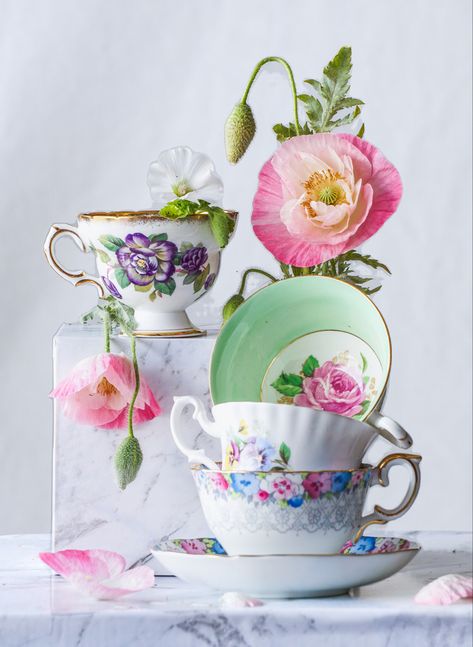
{"points": [[155, 265], [264, 436]]}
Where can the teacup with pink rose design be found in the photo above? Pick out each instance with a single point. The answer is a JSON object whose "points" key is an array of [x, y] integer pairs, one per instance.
{"points": [[268, 436]]}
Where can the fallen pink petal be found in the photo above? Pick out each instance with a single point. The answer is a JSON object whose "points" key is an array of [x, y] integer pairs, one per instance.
{"points": [[446, 590], [98, 392], [99, 573]]}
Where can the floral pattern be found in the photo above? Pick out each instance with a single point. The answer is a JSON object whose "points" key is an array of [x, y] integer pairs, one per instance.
{"points": [[255, 453], [341, 385], [285, 489], [152, 264], [364, 546]]}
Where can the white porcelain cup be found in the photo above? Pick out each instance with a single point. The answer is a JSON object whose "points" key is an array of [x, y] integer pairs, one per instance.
{"points": [[266, 436], [154, 265], [297, 512]]}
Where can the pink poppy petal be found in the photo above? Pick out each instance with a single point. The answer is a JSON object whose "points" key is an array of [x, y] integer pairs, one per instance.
{"points": [[446, 590], [98, 564], [86, 372], [132, 581]]}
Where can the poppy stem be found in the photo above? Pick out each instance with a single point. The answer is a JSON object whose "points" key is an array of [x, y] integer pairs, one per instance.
{"points": [[287, 67], [246, 273], [137, 386], [106, 330]]}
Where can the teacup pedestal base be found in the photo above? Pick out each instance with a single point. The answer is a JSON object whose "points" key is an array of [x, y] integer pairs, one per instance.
{"points": [[165, 324]]}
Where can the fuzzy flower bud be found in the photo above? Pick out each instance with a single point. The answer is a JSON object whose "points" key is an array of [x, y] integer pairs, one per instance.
{"points": [[231, 305], [240, 129], [128, 461]]}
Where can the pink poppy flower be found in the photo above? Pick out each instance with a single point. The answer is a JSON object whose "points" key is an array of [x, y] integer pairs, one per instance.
{"points": [[194, 546], [322, 195], [334, 388], [316, 484], [98, 391], [99, 573], [446, 590]]}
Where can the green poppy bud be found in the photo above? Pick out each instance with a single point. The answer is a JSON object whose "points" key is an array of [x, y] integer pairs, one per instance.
{"points": [[240, 129], [128, 461], [231, 305]]}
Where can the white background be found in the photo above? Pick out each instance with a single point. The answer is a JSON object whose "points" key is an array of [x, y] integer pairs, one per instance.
{"points": [[92, 90]]}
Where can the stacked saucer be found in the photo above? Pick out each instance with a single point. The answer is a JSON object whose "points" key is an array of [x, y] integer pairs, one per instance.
{"points": [[297, 376]]}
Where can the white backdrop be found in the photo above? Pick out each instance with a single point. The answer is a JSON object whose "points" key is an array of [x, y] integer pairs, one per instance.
{"points": [[92, 90]]}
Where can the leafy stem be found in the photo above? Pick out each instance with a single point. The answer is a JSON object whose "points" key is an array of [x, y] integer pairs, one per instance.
{"points": [[287, 67]]}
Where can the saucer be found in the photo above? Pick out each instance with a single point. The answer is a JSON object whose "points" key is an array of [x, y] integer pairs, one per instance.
{"points": [[299, 328], [203, 561]]}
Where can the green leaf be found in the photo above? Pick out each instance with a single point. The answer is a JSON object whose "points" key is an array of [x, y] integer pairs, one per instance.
{"points": [[294, 379], [154, 238], [284, 453], [200, 280], [104, 257], [286, 132], [165, 288], [284, 386], [190, 278], [177, 260], [122, 278], [178, 209], [152, 296], [365, 405], [353, 255], [111, 242], [361, 132], [143, 288], [364, 363], [128, 459], [315, 84], [309, 366], [185, 246], [219, 225]]}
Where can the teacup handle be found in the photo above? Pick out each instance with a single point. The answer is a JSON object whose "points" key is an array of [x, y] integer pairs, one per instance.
{"points": [[76, 277], [196, 456], [381, 477], [390, 430]]}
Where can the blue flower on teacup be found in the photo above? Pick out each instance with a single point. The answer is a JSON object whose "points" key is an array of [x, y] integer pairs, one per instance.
{"points": [[257, 454], [363, 545], [246, 484], [296, 501], [340, 480]]}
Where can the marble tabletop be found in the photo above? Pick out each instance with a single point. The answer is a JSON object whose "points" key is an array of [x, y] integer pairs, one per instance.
{"points": [[38, 609]]}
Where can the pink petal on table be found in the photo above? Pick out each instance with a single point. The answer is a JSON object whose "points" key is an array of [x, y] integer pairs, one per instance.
{"points": [[132, 581], [99, 564], [446, 590]]}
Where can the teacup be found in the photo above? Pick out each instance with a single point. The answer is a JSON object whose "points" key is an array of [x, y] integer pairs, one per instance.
{"points": [[157, 266], [295, 512], [265, 436]]}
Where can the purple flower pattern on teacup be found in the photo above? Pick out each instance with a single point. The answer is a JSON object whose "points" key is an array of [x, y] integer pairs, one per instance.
{"points": [[317, 483], [111, 287], [145, 261], [152, 264], [256, 454]]}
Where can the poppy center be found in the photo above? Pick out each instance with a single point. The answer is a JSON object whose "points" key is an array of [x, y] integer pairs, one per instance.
{"points": [[323, 186], [105, 388]]}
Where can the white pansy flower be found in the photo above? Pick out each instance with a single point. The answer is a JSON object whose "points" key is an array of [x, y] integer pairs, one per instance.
{"points": [[183, 173]]}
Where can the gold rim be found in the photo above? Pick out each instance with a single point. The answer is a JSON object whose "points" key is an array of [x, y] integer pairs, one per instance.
{"points": [[151, 214], [192, 332], [415, 548], [362, 468], [327, 278]]}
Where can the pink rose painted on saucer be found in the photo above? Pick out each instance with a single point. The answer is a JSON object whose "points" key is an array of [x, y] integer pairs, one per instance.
{"points": [[333, 388]]}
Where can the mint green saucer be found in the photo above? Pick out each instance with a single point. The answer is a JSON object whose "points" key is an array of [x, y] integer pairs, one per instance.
{"points": [[272, 334]]}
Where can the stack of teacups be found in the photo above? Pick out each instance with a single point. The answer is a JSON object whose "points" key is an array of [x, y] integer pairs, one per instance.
{"points": [[291, 480]]}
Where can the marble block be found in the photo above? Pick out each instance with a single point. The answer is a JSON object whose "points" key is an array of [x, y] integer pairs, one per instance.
{"points": [[89, 510]]}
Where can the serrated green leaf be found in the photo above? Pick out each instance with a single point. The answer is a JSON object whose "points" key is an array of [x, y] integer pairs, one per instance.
{"points": [[315, 84], [200, 280], [111, 242], [122, 278], [178, 209], [154, 238], [284, 386], [349, 102], [310, 365], [167, 287], [284, 453]]}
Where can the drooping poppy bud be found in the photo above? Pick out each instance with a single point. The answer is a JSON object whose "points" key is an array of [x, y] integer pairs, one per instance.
{"points": [[231, 305], [240, 129], [128, 461]]}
